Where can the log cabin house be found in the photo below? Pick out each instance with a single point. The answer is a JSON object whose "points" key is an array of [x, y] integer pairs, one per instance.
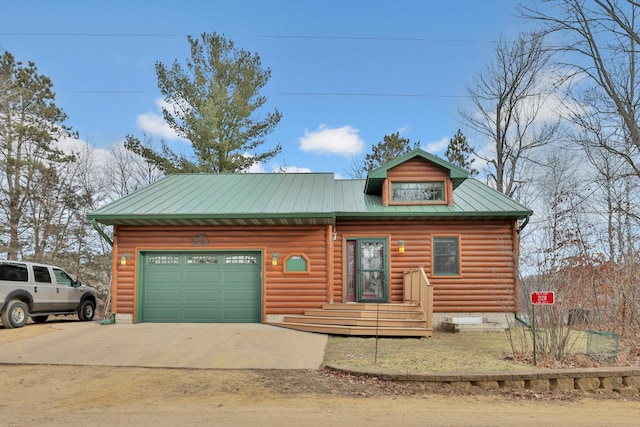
{"points": [[417, 240]]}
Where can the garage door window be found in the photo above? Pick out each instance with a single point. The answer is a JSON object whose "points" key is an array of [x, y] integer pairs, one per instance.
{"points": [[240, 259], [163, 259], [202, 259]]}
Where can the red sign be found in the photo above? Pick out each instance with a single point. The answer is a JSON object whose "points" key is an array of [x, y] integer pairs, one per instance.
{"points": [[542, 298]]}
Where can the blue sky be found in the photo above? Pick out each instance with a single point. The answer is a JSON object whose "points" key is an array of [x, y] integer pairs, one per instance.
{"points": [[344, 73]]}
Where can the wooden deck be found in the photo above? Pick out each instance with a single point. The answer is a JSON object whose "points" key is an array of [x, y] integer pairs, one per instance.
{"points": [[411, 318], [390, 320]]}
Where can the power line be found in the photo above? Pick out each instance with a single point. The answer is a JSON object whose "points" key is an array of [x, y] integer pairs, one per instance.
{"points": [[351, 94], [260, 36], [365, 94]]}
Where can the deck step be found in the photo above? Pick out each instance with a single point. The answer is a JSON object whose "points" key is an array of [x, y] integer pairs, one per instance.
{"points": [[358, 321], [355, 330], [373, 307], [371, 319], [368, 314]]}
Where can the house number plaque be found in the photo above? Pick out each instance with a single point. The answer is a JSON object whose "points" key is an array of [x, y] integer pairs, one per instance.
{"points": [[200, 240]]}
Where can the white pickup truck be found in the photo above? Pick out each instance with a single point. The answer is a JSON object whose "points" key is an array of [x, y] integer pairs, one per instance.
{"points": [[38, 290]]}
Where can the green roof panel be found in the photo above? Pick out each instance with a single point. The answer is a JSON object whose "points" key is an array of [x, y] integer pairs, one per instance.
{"points": [[286, 199], [226, 199], [471, 199]]}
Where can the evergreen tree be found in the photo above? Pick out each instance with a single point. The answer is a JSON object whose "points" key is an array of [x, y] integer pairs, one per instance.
{"points": [[389, 148], [458, 153], [30, 162], [213, 103]]}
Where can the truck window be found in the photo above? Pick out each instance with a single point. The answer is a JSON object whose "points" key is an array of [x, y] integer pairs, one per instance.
{"points": [[14, 272], [62, 278], [41, 274]]}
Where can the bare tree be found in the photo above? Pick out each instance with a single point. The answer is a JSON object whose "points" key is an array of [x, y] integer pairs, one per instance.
{"points": [[600, 40], [126, 172], [508, 107], [356, 169]]}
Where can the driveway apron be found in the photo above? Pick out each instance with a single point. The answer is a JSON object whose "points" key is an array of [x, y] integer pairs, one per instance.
{"points": [[170, 345]]}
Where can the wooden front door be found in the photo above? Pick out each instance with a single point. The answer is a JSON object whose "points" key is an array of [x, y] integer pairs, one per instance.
{"points": [[366, 270]]}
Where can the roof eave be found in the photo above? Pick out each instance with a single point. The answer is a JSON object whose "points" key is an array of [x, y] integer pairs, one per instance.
{"points": [[199, 219], [434, 215]]}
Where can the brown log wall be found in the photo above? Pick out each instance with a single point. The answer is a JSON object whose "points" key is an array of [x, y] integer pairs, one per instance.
{"points": [[283, 293], [487, 281]]}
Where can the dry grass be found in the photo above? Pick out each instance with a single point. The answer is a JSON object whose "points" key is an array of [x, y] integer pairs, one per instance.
{"points": [[441, 352]]}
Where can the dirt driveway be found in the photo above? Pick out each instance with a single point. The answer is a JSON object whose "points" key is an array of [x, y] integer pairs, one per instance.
{"points": [[70, 395]]}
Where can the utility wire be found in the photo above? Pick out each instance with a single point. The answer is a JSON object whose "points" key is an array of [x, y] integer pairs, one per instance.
{"points": [[350, 94], [258, 36]]}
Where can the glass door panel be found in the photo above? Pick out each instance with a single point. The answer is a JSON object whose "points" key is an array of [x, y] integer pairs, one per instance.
{"points": [[352, 276], [372, 270]]}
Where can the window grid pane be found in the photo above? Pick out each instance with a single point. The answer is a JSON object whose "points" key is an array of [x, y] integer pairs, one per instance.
{"points": [[417, 191], [240, 259], [163, 259], [202, 259], [445, 256]]}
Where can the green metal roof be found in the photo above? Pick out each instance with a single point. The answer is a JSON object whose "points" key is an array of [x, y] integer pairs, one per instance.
{"points": [[376, 177], [273, 199], [226, 199], [471, 198]]}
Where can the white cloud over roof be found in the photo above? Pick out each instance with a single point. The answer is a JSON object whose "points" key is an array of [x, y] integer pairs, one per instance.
{"points": [[343, 141], [437, 146]]}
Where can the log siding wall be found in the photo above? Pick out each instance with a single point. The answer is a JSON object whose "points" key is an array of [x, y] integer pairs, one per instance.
{"points": [[488, 276], [487, 281], [282, 293]]}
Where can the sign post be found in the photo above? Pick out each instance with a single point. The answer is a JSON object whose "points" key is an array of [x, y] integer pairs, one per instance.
{"points": [[539, 298]]}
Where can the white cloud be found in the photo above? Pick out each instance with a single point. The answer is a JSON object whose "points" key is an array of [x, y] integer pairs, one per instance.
{"points": [[259, 168], [438, 146], [274, 167], [256, 168], [71, 145], [343, 141], [291, 169], [154, 124]]}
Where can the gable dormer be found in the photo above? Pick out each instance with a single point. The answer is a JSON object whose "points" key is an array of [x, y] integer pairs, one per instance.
{"points": [[415, 178]]}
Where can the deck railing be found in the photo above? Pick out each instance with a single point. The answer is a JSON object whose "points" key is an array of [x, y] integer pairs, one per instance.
{"points": [[418, 289]]}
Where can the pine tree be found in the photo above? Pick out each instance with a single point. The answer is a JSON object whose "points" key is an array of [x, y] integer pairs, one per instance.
{"points": [[213, 103], [30, 126], [459, 152], [389, 148]]}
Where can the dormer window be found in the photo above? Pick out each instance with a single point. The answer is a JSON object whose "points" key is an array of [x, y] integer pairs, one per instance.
{"points": [[417, 192]]}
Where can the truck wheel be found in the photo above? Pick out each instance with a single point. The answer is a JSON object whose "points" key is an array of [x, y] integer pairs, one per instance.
{"points": [[40, 319], [16, 314], [86, 311]]}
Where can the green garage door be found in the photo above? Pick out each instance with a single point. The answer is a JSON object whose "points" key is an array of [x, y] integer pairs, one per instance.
{"points": [[196, 287]]}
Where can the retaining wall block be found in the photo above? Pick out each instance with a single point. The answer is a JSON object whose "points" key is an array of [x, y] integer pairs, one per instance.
{"points": [[512, 384], [461, 385], [611, 383], [631, 381], [538, 385], [628, 391], [562, 384], [589, 383], [487, 385]]}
